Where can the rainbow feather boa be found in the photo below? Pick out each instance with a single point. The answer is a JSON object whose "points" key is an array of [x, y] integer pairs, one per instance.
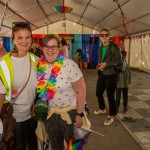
{"points": [[47, 90]]}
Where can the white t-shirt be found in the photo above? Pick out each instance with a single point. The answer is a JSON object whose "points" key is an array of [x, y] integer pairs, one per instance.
{"points": [[22, 106], [65, 95]]}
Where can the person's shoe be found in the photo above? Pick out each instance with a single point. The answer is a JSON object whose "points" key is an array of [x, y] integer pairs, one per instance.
{"points": [[109, 121], [100, 111], [124, 110]]}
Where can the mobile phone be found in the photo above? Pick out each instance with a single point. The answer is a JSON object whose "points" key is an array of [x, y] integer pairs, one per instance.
{"points": [[98, 66]]}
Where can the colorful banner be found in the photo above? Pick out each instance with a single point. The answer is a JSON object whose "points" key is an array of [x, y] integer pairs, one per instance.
{"points": [[62, 9], [67, 36]]}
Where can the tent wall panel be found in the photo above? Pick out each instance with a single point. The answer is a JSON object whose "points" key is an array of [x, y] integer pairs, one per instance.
{"points": [[65, 27], [135, 53], [146, 53], [77, 44], [85, 45], [126, 43]]}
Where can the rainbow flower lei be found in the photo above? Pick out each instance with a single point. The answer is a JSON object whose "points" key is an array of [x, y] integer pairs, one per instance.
{"points": [[47, 90]]}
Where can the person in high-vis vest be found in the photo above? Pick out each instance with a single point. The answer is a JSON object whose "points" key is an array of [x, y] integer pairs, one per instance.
{"points": [[14, 72]]}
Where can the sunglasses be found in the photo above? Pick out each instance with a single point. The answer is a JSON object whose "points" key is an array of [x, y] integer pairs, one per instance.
{"points": [[21, 24], [102, 35]]}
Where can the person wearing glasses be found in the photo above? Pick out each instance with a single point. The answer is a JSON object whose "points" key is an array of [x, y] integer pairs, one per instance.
{"points": [[18, 70], [61, 83], [109, 57]]}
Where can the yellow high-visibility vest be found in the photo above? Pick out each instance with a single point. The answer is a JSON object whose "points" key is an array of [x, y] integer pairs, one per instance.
{"points": [[7, 73]]}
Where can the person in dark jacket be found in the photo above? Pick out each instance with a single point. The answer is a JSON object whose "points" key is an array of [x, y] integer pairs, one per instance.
{"points": [[123, 84], [109, 57]]}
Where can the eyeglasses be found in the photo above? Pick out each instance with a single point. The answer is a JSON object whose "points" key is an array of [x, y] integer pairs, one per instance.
{"points": [[21, 24], [102, 35], [54, 47]]}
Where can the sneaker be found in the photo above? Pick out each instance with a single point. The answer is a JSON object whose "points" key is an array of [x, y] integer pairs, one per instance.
{"points": [[100, 111], [109, 121], [124, 110]]}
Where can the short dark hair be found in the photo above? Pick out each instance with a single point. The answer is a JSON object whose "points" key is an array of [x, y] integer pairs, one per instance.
{"points": [[63, 42], [104, 29], [47, 38], [79, 50], [19, 26], [16, 26], [35, 40]]}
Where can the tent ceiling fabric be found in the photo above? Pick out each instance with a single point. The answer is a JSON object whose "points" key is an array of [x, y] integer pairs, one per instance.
{"points": [[94, 14]]}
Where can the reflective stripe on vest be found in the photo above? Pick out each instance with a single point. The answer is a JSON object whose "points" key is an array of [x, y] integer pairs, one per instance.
{"points": [[7, 77], [6, 74], [33, 58]]}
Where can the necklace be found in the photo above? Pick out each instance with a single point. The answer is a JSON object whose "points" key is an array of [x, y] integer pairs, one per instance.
{"points": [[47, 90], [49, 62]]}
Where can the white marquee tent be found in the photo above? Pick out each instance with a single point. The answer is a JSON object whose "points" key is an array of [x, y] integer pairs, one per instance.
{"points": [[86, 17]]}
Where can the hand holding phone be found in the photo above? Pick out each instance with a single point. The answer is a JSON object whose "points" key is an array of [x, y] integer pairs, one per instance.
{"points": [[98, 66]]}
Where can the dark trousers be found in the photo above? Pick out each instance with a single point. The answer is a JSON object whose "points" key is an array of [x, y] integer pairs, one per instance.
{"points": [[108, 83], [125, 97], [58, 130], [25, 137]]}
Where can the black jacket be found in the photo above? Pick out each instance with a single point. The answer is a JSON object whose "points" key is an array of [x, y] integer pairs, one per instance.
{"points": [[112, 58]]}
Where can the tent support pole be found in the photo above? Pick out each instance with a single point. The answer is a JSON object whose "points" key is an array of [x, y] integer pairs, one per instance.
{"points": [[47, 28], [129, 49], [65, 26], [141, 65]]}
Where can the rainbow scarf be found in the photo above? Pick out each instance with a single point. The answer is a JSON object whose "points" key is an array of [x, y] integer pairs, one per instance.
{"points": [[47, 90]]}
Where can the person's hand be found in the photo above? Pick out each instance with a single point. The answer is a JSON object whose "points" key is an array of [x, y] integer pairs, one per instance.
{"points": [[79, 121], [97, 67], [101, 66]]}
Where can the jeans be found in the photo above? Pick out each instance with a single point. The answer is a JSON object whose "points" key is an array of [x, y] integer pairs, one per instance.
{"points": [[108, 83]]}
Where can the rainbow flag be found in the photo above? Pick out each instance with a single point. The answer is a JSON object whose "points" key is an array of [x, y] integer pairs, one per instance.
{"points": [[79, 138], [76, 146]]}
